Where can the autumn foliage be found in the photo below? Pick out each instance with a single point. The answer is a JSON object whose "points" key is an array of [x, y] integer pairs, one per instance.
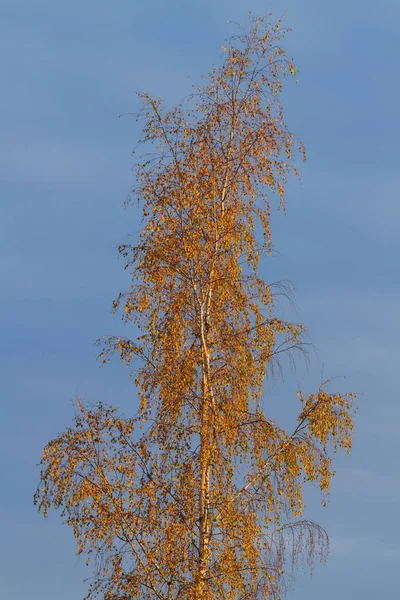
{"points": [[200, 496]]}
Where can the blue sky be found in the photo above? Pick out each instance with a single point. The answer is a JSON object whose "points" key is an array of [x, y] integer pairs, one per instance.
{"points": [[69, 70]]}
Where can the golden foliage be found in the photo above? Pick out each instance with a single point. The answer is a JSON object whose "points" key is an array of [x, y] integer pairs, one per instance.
{"points": [[195, 497]]}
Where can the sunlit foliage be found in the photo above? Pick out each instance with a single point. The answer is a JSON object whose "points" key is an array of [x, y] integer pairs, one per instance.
{"points": [[200, 496]]}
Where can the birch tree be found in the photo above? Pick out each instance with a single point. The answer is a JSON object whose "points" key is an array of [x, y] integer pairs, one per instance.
{"points": [[199, 496]]}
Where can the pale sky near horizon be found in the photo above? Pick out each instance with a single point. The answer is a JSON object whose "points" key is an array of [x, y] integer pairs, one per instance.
{"points": [[69, 69]]}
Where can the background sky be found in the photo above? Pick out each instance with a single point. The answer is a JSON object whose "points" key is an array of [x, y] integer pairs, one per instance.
{"points": [[69, 69]]}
